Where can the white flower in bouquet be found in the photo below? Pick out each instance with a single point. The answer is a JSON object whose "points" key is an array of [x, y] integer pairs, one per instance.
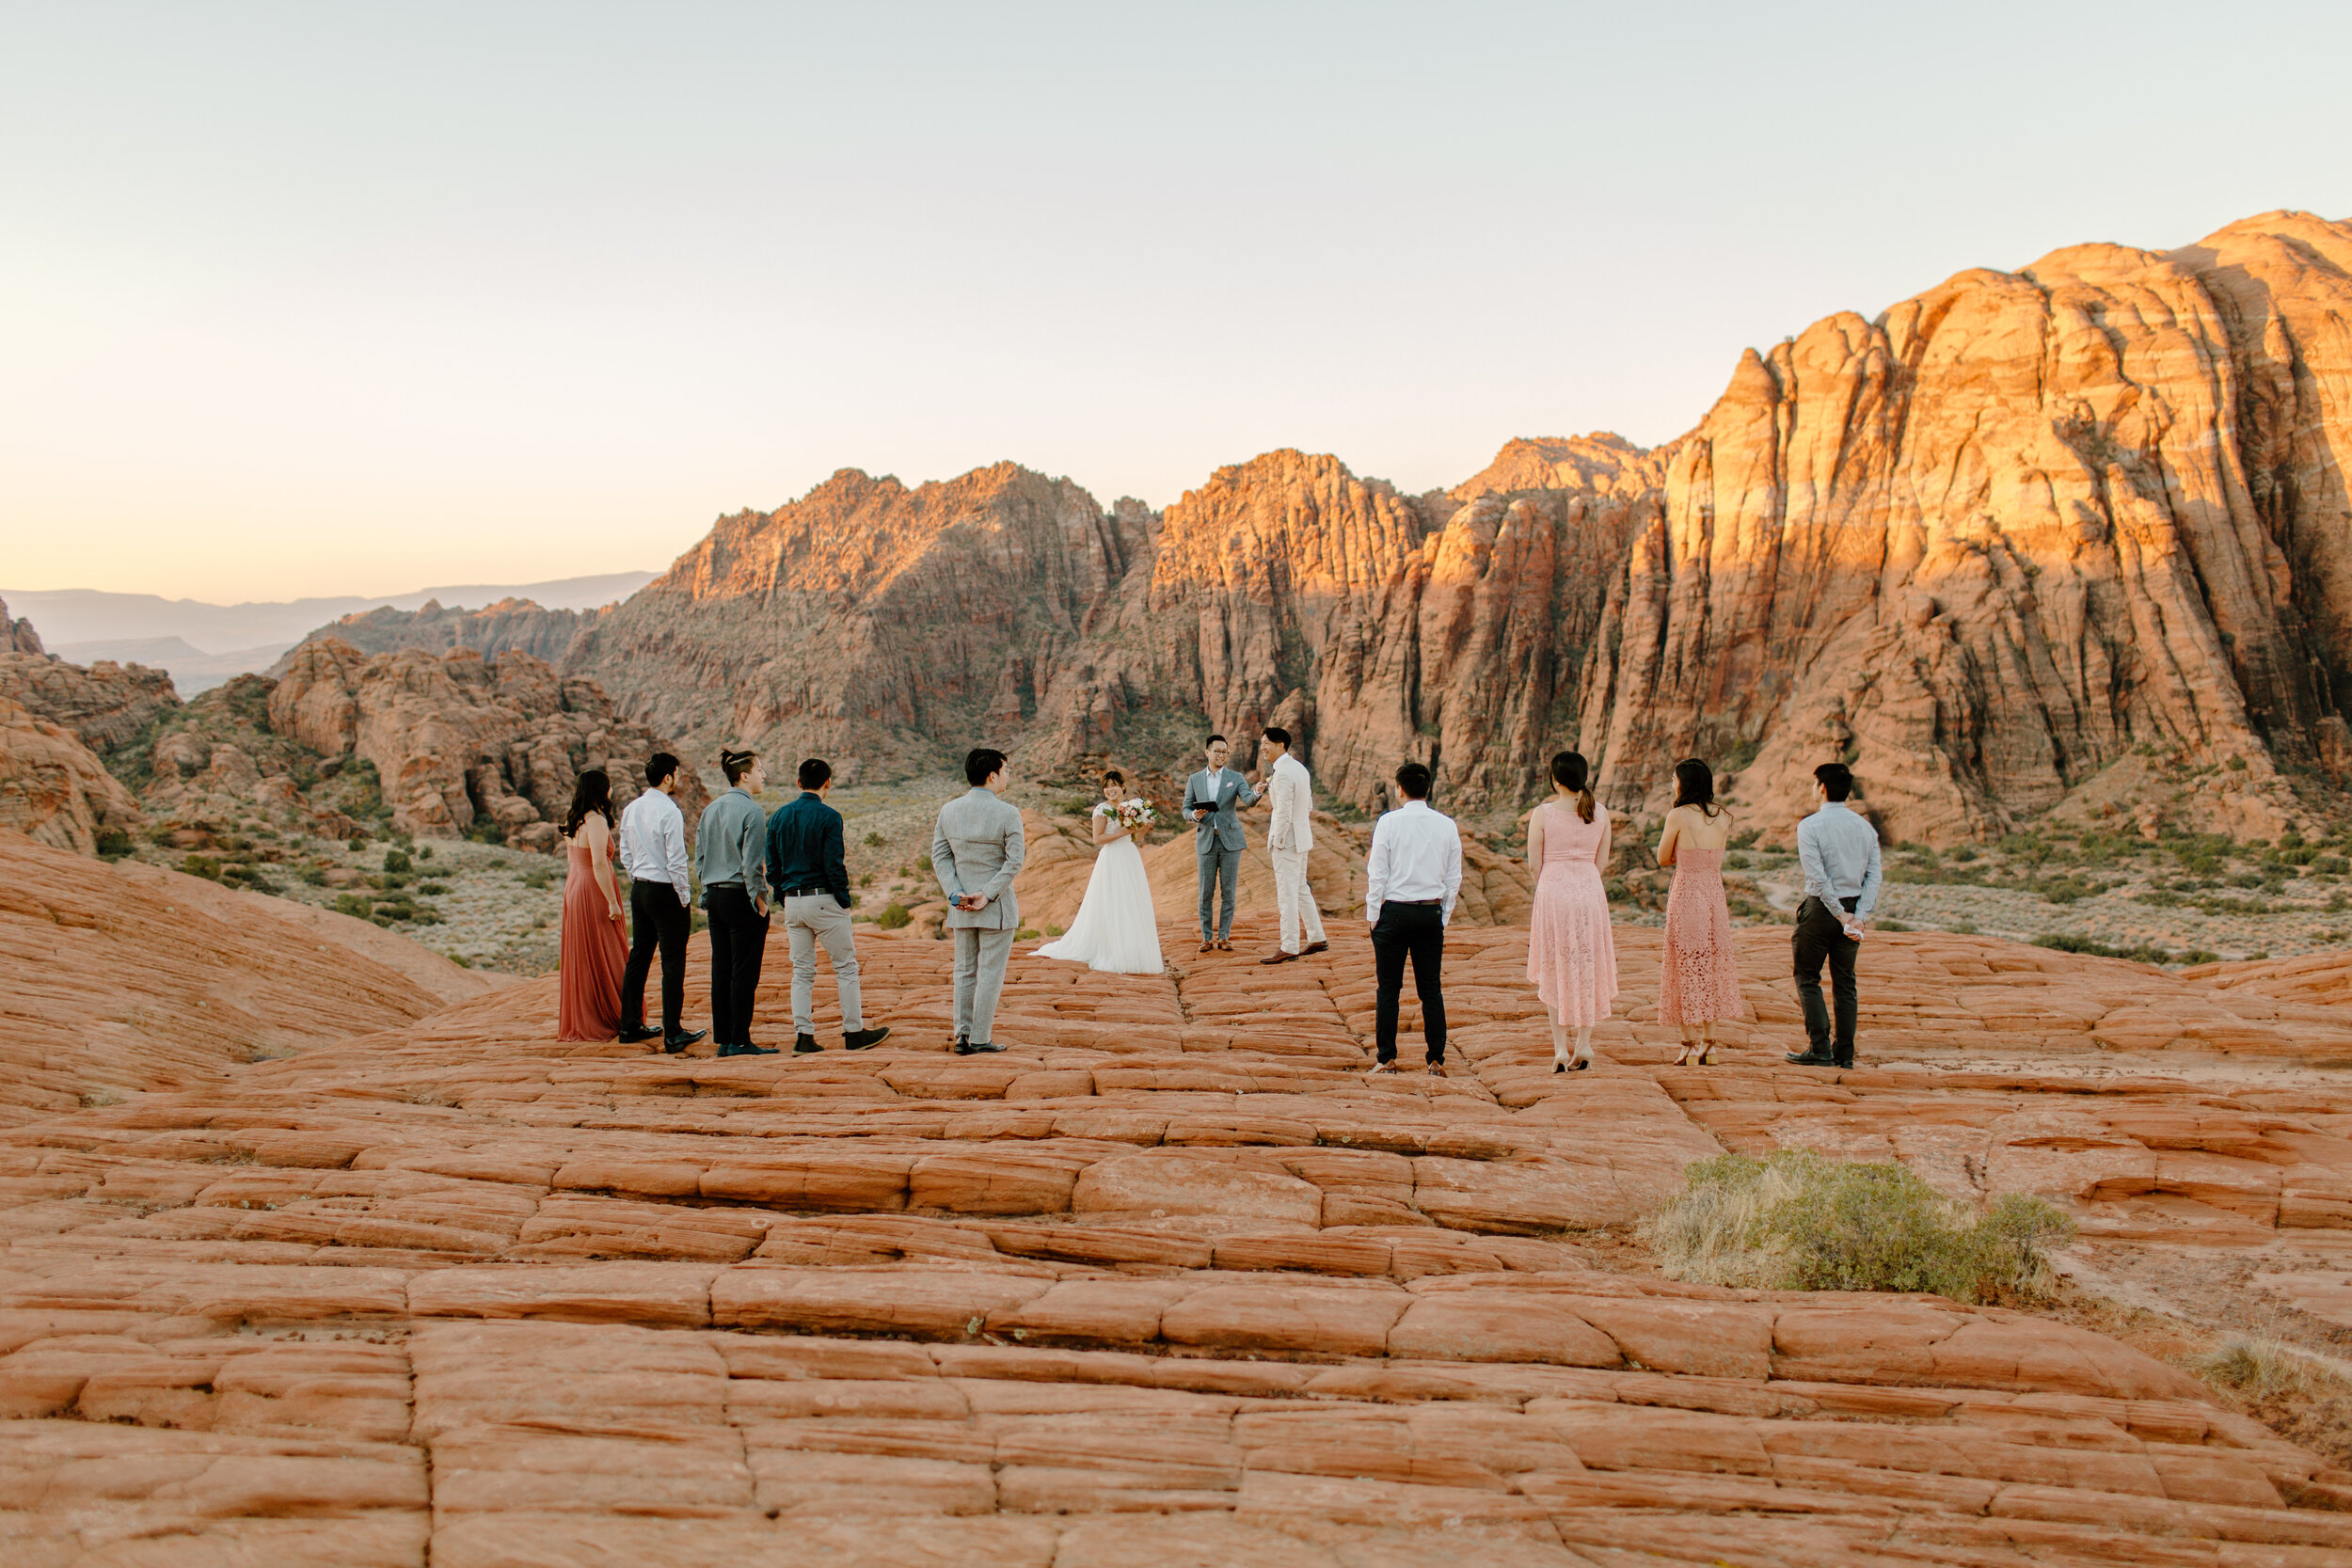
{"points": [[1137, 814]]}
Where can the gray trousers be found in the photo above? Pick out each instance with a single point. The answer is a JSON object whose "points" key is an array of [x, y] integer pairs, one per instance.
{"points": [[809, 919], [1219, 867], [979, 980]]}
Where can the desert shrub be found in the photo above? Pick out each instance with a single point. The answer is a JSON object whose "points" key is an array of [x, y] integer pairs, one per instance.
{"points": [[892, 916], [397, 859], [1746, 840], [352, 904], [2255, 1367], [2144, 953], [538, 876], [432, 890], [2331, 865], [112, 844], [202, 865], [1798, 1222], [315, 875]]}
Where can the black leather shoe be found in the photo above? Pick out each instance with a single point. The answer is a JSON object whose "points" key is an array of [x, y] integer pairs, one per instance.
{"points": [[1844, 1064], [865, 1039], [683, 1038], [975, 1048], [638, 1034], [1808, 1058], [747, 1051], [804, 1044]]}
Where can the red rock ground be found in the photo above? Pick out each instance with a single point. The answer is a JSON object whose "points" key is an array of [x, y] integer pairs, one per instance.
{"points": [[1170, 1282]]}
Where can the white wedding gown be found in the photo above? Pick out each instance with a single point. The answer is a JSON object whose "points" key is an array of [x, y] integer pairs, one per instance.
{"points": [[1115, 929]]}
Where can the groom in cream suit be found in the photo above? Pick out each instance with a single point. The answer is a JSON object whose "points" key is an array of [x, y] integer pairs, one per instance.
{"points": [[976, 852], [1289, 835]]}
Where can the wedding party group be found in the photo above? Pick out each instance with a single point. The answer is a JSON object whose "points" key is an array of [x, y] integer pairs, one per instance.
{"points": [[749, 862]]}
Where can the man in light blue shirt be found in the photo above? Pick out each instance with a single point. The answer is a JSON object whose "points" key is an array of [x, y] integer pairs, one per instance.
{"points": [[1838, 850]]}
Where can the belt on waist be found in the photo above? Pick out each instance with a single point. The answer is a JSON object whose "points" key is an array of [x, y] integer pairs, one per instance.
{"points": [[1415, 903], [804, 891]]}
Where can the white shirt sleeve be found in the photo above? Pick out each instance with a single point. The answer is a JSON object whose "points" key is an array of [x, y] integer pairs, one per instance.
{"points": [[1377, 871], [1453, 871], [674, 851]]}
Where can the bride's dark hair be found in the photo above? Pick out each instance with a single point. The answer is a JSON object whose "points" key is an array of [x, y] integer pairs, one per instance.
{"points": [[1112, 775]]}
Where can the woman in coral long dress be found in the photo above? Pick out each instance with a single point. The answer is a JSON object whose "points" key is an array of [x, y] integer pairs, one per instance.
{"points": [[595, 937], [1571, 952], [1699, 986]]}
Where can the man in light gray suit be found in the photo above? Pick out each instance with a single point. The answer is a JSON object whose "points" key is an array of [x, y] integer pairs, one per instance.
{"points": [[1213, 798], [976, 852]]}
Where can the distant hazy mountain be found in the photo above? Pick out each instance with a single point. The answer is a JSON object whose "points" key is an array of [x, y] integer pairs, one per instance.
{"points": [[192, 669], [203, 644]]}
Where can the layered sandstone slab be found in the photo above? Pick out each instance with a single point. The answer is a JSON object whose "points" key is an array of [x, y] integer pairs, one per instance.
{"points": [[124, 977], [1169, 1278]]}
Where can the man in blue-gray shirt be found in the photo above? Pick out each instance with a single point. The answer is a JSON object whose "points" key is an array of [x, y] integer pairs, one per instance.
{"points": [[1838, 850], [728, 847]]}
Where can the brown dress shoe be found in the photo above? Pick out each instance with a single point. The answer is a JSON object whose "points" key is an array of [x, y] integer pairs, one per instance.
{"points": [[1278, 957], [1314, 947], [1207, 946]]}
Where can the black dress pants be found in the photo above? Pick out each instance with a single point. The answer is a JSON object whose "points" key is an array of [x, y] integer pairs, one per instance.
{"points": [[1821, 935], [739, 941], [655, 916], [1416, 931]]}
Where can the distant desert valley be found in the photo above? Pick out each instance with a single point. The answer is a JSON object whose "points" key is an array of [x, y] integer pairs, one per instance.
{"points": [[316, 1247]]}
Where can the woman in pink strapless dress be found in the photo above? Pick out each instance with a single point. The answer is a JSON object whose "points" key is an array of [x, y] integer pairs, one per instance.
{"points": [[1699, 983], [1571, 952], [595, 937]]}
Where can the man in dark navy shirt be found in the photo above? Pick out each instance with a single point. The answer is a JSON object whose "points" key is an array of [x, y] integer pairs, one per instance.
{"points": [[811, 879]]}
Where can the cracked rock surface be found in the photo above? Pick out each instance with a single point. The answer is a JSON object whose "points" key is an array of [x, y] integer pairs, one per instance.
{"points": [[1168, 1281]]}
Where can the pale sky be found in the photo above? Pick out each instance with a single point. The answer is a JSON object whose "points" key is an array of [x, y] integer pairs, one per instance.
{"points": [[308, 298]]}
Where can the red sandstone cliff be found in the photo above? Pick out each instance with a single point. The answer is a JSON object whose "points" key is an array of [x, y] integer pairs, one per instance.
{"points": [[886, 627], [509, 625], [2017, 529], [458, 737]]}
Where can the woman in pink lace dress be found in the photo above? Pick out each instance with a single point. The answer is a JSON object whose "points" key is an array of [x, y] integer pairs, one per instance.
{"points": [[1571, 954], [1700, 984]]}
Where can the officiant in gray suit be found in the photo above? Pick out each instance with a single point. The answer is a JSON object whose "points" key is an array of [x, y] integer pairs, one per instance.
{"points": [[1213, 799], [976, 852]]}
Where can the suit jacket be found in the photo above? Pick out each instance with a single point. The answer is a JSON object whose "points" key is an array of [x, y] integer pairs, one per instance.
{"points": [[1294, 794], [1225, 789], [978, 848]]}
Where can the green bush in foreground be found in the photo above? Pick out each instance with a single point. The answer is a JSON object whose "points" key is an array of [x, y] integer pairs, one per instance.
{"points": [[892, 916], [1795, 1221]]}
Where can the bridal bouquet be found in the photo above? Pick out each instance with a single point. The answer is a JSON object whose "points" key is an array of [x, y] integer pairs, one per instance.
{"points": [[1137, 814]]}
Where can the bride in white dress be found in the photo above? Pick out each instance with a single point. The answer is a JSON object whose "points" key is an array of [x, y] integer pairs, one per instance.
{"points": [[1115, 929]]}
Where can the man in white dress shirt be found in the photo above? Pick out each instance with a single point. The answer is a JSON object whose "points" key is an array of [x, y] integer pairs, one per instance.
{"points": [[1289, 836], [1411, 879], [653, 853], [1838, 850]]}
